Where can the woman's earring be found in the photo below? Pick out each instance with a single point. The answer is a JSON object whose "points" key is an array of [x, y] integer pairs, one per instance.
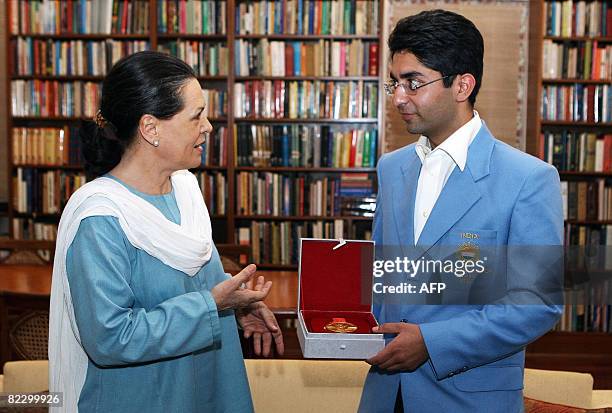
{"points": [[156, 143]]}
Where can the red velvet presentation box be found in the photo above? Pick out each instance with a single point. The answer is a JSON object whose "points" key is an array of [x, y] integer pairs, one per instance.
{"points": [[335, 284]]}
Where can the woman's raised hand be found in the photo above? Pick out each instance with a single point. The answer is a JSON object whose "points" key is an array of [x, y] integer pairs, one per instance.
{"points": [[230, 294]]}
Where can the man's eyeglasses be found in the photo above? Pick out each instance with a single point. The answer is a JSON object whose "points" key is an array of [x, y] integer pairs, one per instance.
{"points": [[409, 87]]}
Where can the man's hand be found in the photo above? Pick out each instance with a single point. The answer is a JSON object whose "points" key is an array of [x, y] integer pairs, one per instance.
{"points": [[407, 351], [258, 321]]}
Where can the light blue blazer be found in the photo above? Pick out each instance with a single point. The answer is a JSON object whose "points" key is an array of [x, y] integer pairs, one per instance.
{"points": [[506, 198]]}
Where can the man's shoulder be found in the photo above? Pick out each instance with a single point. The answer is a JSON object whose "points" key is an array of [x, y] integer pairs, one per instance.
{"points": [[398, 157], [506, 158]]}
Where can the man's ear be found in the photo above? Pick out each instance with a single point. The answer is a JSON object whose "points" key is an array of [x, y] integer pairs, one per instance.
{"points": [[465, 86], [148, 129]]}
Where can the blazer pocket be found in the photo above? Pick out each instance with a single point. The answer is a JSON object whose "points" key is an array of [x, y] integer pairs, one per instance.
{"points": [[490, 378]]}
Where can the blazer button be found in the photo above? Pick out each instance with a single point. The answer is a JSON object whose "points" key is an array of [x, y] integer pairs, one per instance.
{"points": [[464, 368], [403, 320]]}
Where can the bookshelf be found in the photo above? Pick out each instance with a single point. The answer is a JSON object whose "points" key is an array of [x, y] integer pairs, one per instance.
{"points": [[294, 99], [570, 126]]}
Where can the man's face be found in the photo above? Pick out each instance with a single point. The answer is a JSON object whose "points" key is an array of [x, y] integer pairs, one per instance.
{"points": [[429, 110]]}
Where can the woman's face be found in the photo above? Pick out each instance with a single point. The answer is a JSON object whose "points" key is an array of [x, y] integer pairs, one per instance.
{"points": [[181, 137]]}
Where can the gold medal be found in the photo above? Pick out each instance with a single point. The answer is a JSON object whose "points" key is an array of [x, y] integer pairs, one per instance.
{"points": [[340, 325]]}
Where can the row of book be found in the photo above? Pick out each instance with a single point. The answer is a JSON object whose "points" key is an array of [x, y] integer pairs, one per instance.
{"points": [[44, 192], [570, 150], [577, 103], [306, 99], [31, 229], [578, 18], [319, 58], [586, 60], [214, 149], [335, 17], [38, 57], [580, 236], [46, 146], [278, 242], [192, 16], [317, 146], [589, 254], [206, 59], [77, 99], [267, 193], [214, 191], [50, 146], [78, 16], [596, 318], [215, 102], [53, 98], [587, 200]]}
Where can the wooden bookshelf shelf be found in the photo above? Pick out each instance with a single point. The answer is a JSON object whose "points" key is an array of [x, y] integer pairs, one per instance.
{"points": [[301, 169], [35, 215], [45, 166], [588, 222], [311, 78], [583, 81], [308, 36], [604, 39], [576, 124], [584, 174], [306, 120], [83, 36], [60, 78], [211, 168], [209, 78], [301, 218], [49, 118], [190, 36], [77, 119]]}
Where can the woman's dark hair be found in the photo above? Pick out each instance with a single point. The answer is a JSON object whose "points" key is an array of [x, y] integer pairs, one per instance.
{"points": [[443, 41], [142, 83]]}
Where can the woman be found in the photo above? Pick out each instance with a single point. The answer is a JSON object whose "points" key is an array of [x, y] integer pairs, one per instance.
{"points": [[142, 314]]}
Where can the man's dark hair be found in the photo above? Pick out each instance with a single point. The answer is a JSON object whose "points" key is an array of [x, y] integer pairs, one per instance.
{"points": [[443, 41]]}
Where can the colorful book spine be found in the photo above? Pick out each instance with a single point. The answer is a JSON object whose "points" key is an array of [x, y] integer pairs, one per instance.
{"points": [[315, 99], [305, 146], [308, 17], [577, 103], [578, 18]]}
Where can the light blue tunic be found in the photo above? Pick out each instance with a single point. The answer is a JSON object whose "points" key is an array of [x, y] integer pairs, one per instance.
{"points": [[153, 335]]}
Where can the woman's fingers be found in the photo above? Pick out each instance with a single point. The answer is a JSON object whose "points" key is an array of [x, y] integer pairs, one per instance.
{"points": [[257, 343], [267, 344]]}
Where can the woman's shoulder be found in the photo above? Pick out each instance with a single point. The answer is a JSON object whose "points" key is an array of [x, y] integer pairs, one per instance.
{"points": [[103, 230]]}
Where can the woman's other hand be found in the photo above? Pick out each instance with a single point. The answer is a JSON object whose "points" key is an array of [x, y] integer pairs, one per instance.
{"points": [[258, 321]]}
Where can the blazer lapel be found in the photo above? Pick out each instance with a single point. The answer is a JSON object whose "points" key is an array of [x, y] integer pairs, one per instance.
{"points": [[404, 193], [456, 198], [460, 192]]}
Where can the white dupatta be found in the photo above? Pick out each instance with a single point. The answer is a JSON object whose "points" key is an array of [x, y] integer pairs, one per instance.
{"points": [[185, 247]]}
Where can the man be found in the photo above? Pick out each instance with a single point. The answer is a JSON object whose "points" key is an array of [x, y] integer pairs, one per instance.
{"points": [[458, 182]]}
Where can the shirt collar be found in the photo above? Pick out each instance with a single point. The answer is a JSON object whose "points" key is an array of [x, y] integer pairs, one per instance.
{"points": [[456, 145]]}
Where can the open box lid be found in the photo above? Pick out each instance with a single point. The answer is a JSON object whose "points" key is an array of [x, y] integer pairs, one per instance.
{"points": [[335, 279]]}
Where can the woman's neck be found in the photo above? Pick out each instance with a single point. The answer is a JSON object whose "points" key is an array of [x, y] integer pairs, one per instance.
{"points": [[142, 174]]}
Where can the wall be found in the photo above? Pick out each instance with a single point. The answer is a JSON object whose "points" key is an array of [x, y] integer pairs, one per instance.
{"points": [[500, 102]]}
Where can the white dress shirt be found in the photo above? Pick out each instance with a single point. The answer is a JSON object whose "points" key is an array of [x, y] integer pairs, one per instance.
{"points": [[437, 166]]}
